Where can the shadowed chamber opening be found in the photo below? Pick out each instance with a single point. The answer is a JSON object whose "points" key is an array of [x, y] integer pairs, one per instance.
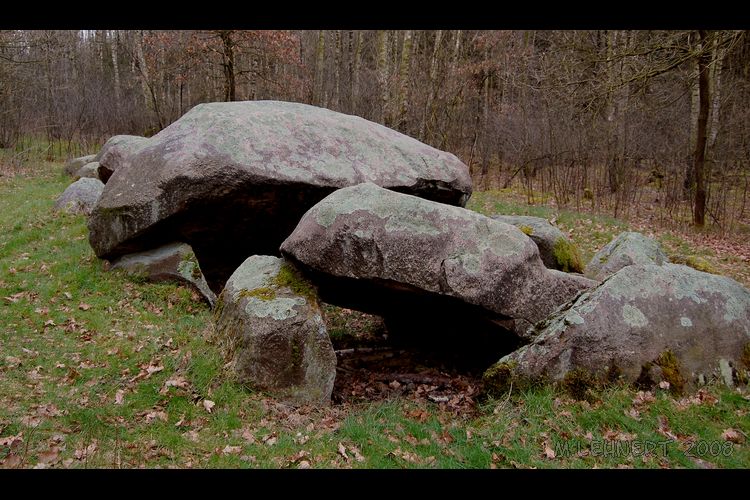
{"points": [[392, 340]]}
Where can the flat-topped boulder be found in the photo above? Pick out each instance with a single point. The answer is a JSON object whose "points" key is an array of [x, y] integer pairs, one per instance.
{"points": [[626, 249], [555, 249], [233, 179], [393, 254], [116, 152], [268, 324], [646, 324], [80, 197]]}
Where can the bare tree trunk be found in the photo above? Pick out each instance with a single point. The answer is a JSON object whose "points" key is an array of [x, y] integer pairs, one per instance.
{"points": [[357, 69], [404, 78], [382, 71], [148, 92], [715, 89], [116, 69], [428, 113], [227, 64], [704, 59], [337, 70], [319, 61]]}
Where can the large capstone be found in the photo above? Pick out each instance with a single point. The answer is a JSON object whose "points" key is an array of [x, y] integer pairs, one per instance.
{"points": [[626, 249], [174, 262], [233, 179], [116, 153], [413, 260], [555, 249], [80, 197], [269, 325], [646, 324]]}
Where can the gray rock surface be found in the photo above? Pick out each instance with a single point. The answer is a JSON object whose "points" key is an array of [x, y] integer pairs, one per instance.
{"points": [[555, 249], [626, 249], [389, 253], [75, 164], [117, 152], [268, 323], [233, 179], [90, 169], [645, 324], [174, 262], [80, 197]]}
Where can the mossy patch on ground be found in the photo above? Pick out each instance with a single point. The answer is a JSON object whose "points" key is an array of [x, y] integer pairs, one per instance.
{"points": [[567, 256]]}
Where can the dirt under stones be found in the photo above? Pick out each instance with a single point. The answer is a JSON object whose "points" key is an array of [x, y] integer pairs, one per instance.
{"points": [[373, 364]]}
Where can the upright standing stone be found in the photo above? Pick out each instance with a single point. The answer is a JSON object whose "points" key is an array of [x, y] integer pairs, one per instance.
{"points": [[269, 324]]}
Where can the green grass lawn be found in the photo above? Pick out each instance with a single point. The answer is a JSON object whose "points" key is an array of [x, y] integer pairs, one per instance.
{"points": [[98, 370]]}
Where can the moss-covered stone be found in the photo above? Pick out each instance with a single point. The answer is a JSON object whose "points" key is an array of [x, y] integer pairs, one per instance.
{"points": [[746, 355], [568, 257], [291, 278], [264, 293], [670, 367], [580, 384], [498, 379], [527, 230], [694, 261]]}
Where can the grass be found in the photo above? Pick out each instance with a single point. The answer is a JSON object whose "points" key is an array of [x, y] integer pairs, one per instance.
{"points": [[100, 370]]}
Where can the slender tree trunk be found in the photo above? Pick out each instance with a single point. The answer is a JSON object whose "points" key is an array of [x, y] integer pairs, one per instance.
{"points": [[319, 61], [227, 54], [148, 92], [116, 69], [704, 59], [403, 78], [337, 70], [357, 70], [382, 71], [715, 89], [428, 113]]}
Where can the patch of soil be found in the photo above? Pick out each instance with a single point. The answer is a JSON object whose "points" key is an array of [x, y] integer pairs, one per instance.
{"points": [[375, 365]]}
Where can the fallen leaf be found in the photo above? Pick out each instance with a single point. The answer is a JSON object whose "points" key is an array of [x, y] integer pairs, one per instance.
{"points": [[248, 436], [208, 405], [357, 455], [50, 456], [269, 440], [84, 306], [154, 415], [634, 414], [548, 451], [31, 421], [231, 450], [119, 396], [731, 435], [12, 441], [11, 461], [68, 295], [13, 361], [342, 451], [177, 381], [304, 464], [664, 385], [48, 410], [192, 435], [664, 429]]}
